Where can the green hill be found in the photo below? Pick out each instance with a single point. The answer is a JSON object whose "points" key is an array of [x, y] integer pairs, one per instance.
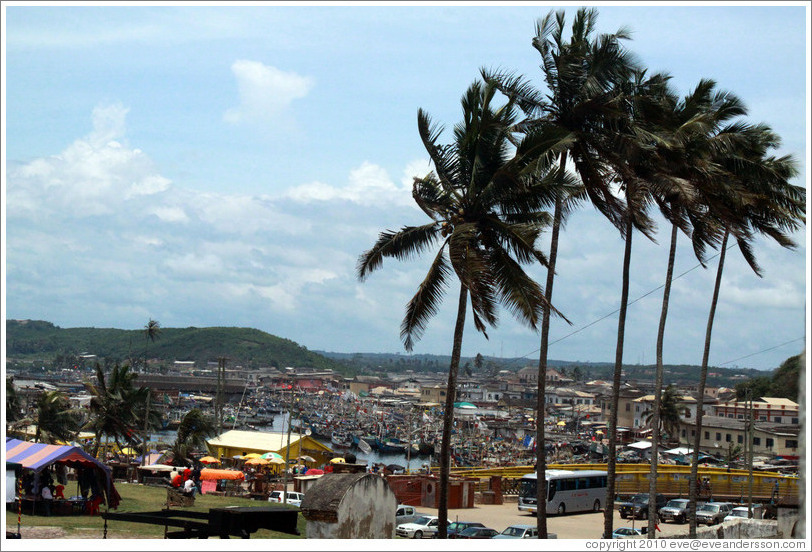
{"points": [[247, 347]]}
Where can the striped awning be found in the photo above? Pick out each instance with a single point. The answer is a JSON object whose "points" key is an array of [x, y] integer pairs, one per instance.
{"points": [[36, 456]]}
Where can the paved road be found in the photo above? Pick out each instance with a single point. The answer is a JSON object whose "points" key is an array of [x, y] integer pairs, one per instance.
{"points": [[588, 525]]}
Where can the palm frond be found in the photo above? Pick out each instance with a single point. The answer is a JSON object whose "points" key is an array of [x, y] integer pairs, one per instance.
{"points": [[425, 302], [402, 245]]}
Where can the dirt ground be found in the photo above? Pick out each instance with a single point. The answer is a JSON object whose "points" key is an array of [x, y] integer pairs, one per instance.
{"points": [[588, 525], [44, 532], [571, 526]]}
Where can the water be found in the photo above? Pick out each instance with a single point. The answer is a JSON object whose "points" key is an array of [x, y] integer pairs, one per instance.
{"points": [[280, 424]]}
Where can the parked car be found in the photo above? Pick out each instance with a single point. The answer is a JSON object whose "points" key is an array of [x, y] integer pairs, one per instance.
{"points": [[419, 528], [625, 532], [518, 532], [741, 512], [677, 510], [477, 533], [712, 513], [458, 527], [406, 514], [637, 507], [294, 499]]}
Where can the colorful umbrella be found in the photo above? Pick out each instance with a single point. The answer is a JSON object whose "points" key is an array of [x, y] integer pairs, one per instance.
{"points": [[209, 460], [256, 462], [253, 455], [270, 455], [274, 460], [338, 461], [307, 459]]}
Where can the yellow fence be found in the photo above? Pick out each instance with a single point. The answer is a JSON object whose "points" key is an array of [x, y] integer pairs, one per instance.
{"points": [[672, 480]]}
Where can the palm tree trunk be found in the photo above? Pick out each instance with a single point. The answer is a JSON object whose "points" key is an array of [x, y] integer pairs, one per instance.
{"points": [[541, 453], [611, 426], [703, 376], [448, 415], [658, 384]]}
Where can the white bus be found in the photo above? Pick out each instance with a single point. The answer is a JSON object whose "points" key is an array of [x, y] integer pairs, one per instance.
{"points": [[567, 491]]}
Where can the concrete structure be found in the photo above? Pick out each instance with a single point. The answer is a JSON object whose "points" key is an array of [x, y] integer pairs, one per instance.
{"points": [[718, 433], [350, 506], [432, 394], [766, 409], [643, 405]]}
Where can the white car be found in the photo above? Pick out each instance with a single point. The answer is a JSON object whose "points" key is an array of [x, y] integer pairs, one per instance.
{"points": [[740, 512], [406, 514], [294, 499], [424, 526]]}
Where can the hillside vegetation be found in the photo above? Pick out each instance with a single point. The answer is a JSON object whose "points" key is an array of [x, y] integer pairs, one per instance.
{"points": [[247, 347]]}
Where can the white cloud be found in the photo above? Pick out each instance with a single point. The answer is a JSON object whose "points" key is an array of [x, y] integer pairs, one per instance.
{"points": [[368, 185], [93, 176], [266, 93]]}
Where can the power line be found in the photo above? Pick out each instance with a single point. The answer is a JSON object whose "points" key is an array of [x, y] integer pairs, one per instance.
{"points": [[763, 350], [582, 328]]}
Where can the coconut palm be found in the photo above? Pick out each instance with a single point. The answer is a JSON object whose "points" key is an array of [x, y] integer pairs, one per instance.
{"points": [[152, 331], [754, 197], [13, 406], [485, 210], [633, 154], [117, 407], [685, 162], [578, 74], [664, 418], [193, 430], [55, 419]]}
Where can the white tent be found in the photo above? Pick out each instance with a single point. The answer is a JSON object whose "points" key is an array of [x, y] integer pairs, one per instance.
{"points": [[678, 451]]}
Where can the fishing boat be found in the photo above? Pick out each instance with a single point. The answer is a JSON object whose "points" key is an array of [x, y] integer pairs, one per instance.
{"points": [[341, 439], [391, 446]]}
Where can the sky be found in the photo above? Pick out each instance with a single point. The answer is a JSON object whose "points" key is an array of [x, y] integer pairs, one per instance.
{"points": [[226, 166]]}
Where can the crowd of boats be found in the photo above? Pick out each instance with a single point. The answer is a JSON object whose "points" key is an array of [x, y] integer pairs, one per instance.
{"points": [[386, 426]]}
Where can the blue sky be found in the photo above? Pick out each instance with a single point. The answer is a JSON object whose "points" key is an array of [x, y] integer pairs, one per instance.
{"points": [[225, 166]]}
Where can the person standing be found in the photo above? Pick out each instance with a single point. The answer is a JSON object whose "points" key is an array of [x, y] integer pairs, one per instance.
{"points": [[47, 498], [196, 478]]}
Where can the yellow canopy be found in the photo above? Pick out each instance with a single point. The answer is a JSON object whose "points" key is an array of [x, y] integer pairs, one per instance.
{"points": [[252, 455], [338, 461], [209, 460], [256, 462], [562, 423]]}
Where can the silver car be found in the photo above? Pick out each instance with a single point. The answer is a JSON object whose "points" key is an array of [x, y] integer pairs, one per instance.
{"points": [[713, 512]]}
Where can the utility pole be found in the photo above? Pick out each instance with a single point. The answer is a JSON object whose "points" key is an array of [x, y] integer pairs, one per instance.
{"points": [[750, 459], [220, 396], [287, 451], [146, 429]]}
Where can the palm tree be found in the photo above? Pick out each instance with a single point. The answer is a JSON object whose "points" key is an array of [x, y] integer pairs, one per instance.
{"points": [[754, 197], [664, 418], [578, 74], [635, 141], [152, 331], [13, 406], [486, 216], [193, 430], [684, 162], [55, 419], [116, 406]]}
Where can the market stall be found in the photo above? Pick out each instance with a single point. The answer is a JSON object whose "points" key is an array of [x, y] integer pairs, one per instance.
{"points": [[40, 461]]}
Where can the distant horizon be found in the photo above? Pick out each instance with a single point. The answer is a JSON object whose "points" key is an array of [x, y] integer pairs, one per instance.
{"points": [[407, 354]]}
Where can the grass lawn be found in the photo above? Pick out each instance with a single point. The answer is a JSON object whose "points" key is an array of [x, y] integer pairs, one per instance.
{"points": [[139, 498]]}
